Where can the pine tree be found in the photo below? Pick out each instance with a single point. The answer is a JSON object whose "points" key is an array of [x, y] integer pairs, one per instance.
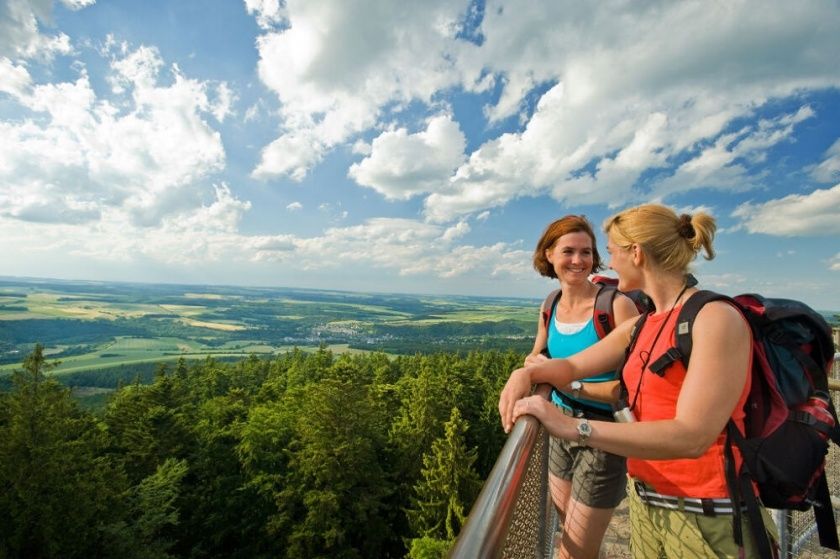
{"points": [[58, 488], [448, 486], [154, 505], [151, 423]]}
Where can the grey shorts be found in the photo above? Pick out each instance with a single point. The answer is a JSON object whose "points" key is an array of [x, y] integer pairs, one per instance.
{"points": [[599, 479]]}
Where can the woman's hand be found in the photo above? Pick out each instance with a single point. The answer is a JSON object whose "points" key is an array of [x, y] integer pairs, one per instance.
{"points": [[554, 421], [535, 358], [517, 386], [531, 405]]}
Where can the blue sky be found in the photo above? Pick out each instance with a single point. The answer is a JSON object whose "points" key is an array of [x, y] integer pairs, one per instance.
{"points": [[415, 147]]}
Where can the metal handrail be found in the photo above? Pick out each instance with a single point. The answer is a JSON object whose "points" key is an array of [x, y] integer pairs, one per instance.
{"points": [[484, 533]]}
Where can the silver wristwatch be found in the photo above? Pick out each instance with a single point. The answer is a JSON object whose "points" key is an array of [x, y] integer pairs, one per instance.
{"points": [[584, 430], [576, 387]]}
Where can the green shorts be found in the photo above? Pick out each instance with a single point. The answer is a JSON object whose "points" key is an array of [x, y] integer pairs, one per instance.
{"points": [[598, 478], [659, 532]]}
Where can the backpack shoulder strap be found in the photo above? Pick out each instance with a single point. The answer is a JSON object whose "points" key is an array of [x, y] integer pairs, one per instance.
{"points": [[548, 306], [687, 316], [602, 314], [682, 333]]}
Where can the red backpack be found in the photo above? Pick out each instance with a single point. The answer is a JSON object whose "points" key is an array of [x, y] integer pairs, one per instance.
{"points": [[790, 417]]}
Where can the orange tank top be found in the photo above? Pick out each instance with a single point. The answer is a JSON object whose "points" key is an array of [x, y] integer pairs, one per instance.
{"points": [[701, 477]]}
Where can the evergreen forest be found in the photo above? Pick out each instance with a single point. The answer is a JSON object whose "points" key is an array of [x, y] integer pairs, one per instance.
{"points": [[303, 454]]}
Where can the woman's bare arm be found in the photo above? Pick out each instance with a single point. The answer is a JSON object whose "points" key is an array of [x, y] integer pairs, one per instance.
{"points": [[714, 382], [624, 308], [598, 358], [540, 341], [606, 392]]}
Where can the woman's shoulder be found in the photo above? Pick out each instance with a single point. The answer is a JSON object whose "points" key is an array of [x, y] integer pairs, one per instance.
{"points": [[624, 307], [721, 315], [720, 308]]}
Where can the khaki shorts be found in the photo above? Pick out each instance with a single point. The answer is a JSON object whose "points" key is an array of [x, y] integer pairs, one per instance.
{"points": [[598, 478], [664, 533]]}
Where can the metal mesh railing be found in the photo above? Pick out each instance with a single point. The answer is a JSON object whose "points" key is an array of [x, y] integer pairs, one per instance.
{"points": [[513, 516], [529, 525]]}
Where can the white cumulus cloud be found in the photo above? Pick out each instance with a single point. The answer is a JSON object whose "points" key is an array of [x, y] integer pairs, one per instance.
{"points": [[828, 170], [401, 165], [14, 78], [634, 88], [407, 247], [722, 164], [456, 231], [83, 155], [21, 35], [337, 64], [618, 90], [817, 213], [269, 13]]}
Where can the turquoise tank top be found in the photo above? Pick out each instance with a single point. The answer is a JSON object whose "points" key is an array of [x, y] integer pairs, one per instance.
{"points": [[563, 345]]}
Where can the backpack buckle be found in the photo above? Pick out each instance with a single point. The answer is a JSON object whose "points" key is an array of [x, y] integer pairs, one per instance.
{"points": [[667, 359]]}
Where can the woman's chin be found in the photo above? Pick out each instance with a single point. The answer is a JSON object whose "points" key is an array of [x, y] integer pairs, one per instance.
{"points": [[574, 279], [624, 285]]}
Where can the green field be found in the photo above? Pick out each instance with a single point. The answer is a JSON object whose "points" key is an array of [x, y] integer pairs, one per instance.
{"points": [[130, 351], [96, 325]]}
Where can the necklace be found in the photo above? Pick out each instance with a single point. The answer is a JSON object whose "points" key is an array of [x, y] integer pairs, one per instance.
{"points": [[645, 355]]}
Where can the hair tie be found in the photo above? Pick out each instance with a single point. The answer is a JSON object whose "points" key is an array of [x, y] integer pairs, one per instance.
{"points": [[685, 228]]}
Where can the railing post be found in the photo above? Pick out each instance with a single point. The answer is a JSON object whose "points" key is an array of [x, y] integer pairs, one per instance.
{"points": [[783, 524]]}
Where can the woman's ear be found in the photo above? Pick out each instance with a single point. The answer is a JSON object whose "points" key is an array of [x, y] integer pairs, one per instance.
{"points": [[638, 255]]}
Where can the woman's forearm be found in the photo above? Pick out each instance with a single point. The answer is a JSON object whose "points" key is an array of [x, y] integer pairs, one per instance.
{"points": [[605, 392], [556, 372], [650, 440]]}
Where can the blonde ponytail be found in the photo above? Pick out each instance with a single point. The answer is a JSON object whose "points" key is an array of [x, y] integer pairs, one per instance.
{"points": [[672, 242]]}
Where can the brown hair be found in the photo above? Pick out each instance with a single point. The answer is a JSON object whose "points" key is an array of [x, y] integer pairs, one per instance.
{"points": [[555, 230], [672, 241]]}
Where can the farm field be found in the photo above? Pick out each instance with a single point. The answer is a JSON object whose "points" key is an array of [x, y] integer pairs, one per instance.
{"points": [[101, 325], [132, 351]]}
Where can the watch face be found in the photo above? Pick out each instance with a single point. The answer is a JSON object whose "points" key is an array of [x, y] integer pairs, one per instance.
{"points": [[576, 385], [584, 429]]}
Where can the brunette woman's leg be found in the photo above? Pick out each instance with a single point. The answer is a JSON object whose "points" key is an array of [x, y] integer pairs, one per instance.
{"points": [[597, 487], [583, 531]]}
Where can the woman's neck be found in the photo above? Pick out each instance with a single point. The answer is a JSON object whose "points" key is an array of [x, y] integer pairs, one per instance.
{"points": [[582, 290], [575, 304], [576, 296], [667, 291]]}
